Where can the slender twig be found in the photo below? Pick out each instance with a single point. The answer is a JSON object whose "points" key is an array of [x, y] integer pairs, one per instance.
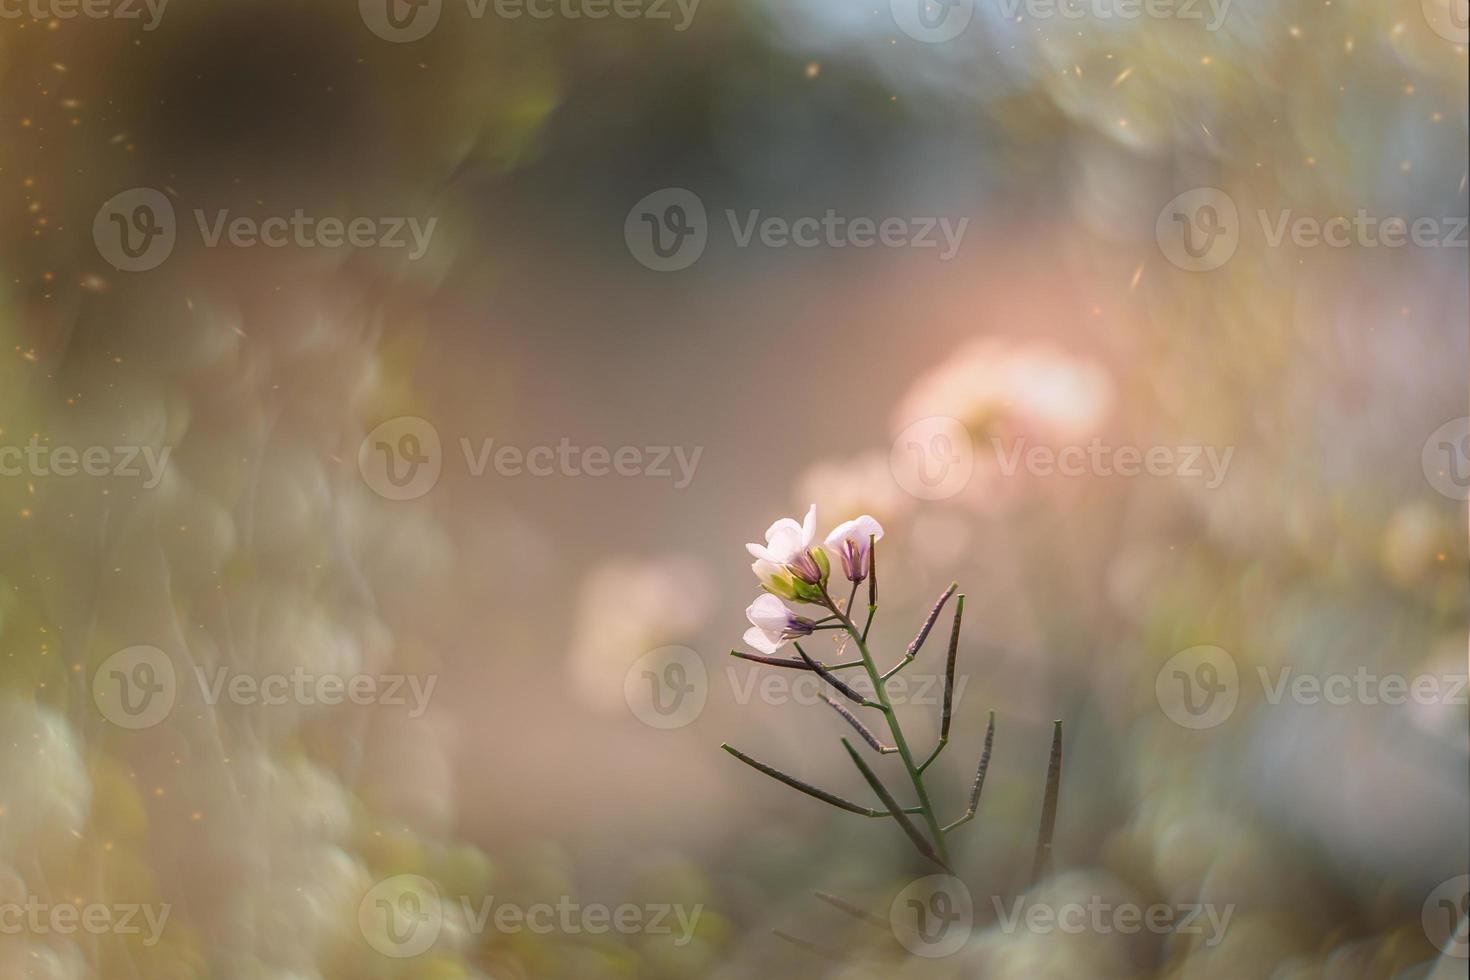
{"points": [[810, 790], [954, 646], [860, 914], [872, 584], [793, 664], [837, 682], [797, 784], [863, 730], [1043, 862], [979, 777], [913, 649], [827, 954], [872, 571], [920, 841]]}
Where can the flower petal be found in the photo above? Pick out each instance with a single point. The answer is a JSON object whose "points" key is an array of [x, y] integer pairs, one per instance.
{"points": [[763, 640], [768, 612], [809, 527]]}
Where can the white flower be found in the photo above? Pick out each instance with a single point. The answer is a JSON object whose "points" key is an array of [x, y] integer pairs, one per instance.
{"points": [[850, 542], [773, 623], [787, 564], [786, 539]]}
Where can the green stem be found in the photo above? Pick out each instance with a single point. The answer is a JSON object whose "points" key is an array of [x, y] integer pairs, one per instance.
{"points": [[880, 691]]}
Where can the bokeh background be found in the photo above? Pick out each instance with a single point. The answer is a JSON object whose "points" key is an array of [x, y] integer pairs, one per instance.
{"points": [[1327, 546]]}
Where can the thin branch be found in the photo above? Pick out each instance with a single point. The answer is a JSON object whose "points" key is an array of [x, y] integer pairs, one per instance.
{"points": [[800, 786], [863, 730], [810, 790], [920, 841], [835, 681], [979, 777], [1043, 862], [954, 646], [810, 947], [872, 571], [913, 649], [793, 664], [860, 914]]}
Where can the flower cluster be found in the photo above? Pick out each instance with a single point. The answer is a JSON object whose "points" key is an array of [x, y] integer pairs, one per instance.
{"points": [[791, 568]]}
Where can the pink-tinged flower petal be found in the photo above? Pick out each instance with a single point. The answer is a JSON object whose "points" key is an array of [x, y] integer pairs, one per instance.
{"points": [[850, 542], [764, 641], [858, 530], [768, 612]]}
